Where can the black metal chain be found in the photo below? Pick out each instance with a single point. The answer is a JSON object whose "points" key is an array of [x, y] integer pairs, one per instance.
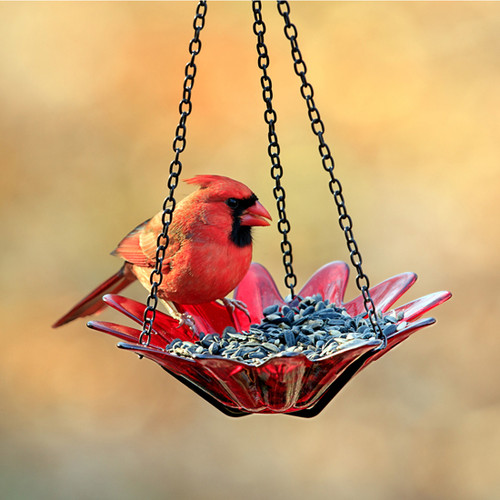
{"points": [[318, 129], [179, 144], [270, 117]]}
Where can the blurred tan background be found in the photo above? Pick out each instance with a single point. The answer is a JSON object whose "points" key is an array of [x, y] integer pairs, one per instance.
{"points": [[410, 96]]}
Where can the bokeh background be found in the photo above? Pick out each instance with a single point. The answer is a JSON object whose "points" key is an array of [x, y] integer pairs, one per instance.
{"points": [[410, 96]]}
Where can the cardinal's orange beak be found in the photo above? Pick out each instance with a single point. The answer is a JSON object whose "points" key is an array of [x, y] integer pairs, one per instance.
{"points": [[256, 215]]}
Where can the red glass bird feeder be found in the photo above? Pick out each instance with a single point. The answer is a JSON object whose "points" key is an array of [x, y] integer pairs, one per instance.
{"points": [[290, 385], [294, 384]]}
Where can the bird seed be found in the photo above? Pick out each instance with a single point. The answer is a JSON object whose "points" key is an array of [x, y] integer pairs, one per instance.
{"points": [[311, 326]]}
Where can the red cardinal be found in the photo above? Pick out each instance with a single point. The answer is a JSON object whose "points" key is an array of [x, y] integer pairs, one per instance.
{"points": [[209, 251]]}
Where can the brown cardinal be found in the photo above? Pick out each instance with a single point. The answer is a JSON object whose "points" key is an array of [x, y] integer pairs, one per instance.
{"points": [[209, 251]]}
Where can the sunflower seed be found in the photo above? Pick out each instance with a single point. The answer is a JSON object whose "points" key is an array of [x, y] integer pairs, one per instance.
{"points": [[308, 310], [315, 324], [319, 306], [327, 314], [257, 355], [389, 329], [289, 338], [271, 310], [270, 347], [238, 336], [227, 331], [213, 349]]}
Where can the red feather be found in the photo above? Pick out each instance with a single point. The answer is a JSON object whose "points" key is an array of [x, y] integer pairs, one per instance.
{"points": [[92, 303]]}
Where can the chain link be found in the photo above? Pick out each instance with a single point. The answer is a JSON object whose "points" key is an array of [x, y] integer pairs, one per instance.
{"points": [[328, 163], [179, 144], [273, 149]]}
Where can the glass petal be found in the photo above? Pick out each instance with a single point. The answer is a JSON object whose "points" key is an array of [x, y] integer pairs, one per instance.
{"points": [[415, 309], [169, 327], [126, 333], [398, 337], [384, 294], [159, 339], [210, 317], [330, 281], [257, 290]]}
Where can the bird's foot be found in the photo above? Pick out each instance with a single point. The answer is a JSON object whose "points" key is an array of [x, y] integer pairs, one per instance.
{"points": [[232, 304], [185, 319]]}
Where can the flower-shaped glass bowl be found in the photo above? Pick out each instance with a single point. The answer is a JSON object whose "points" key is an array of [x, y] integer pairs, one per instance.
{"points": [[292, 385]]}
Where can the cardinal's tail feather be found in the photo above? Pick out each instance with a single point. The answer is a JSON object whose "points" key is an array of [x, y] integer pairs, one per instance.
{"points": [[92, 303]]}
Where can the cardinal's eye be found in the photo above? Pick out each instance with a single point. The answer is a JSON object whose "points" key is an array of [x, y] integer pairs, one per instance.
{"points": [[232, 203]]}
